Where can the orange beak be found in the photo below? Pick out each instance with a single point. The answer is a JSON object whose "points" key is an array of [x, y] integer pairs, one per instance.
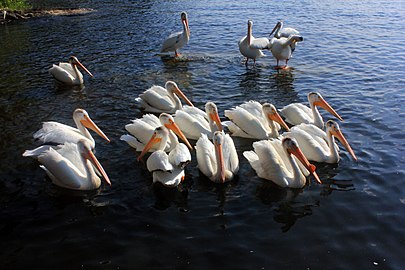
{"points": [[310, 167], [325, 105], [276, 117], [153, 140], [90, 156], [215, 117], [181, 94], [173, 126], [339, 135], [221, 165], [84, 68], [88, 123]]}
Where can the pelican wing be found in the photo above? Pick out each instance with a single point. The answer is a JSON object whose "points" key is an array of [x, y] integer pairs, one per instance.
{"points": [[297, 113], [247, 122], [57, 133], [159, 161], [180, 156], [142, 128], [192, 125], [61, 74], [171, 42], [287, 32], [205, 156], [157, 100], [260, 43], [230, 155]]}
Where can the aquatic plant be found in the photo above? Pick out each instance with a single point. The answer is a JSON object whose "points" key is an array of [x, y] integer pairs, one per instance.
{"points": [[14, 4]]}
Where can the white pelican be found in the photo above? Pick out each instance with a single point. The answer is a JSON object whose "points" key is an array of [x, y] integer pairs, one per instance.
{"points": [[68, 73], [194, 122], [177, 40], [219, 160], [297, 113], [281, 48], [280, 31], [253, 120], [57, 133], [167, 169], [319, 145], [70, 165], [158, 99], [251, 47], [142, 129], [272, 160]]}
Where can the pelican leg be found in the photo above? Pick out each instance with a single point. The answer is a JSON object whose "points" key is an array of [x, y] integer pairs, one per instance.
{"points": [[286, 64], [246, 63], [176, 54], [254, 62]]}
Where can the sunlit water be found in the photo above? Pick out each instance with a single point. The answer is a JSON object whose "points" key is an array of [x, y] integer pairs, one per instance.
{"points": [[353, 54]]}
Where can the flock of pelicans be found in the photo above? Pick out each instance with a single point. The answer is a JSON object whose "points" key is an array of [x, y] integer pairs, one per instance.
{"points": [[66, 153]]}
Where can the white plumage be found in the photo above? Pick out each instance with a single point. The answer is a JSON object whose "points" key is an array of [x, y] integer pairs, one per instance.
{"points": [[68, 73], [177, 40]]}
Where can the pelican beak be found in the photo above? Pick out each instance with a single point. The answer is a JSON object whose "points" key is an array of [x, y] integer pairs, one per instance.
{"points": [[153, 140], [221, 165], [215, 117], [90, 156], [274, 29], [88, 123], [276, 117], [181, 94], [83, 67], [173, 126], [186, 23], [310, 167], [323, 104], [339, 135]]}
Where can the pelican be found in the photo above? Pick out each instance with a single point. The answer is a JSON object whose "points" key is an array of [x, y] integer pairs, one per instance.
{"points": [[57, 133], [177, 40], [219, 160], [281, 48], [297, 113], [194, 122], [158, 99], [167, 169], [70, 165], [280, 32], [272, 160], [68, 73], [253, 120], [251, 47], [141, 130], [318, 145]]}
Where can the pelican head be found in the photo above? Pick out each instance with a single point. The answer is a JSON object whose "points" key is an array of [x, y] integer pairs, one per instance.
{"points": [[272, 114], [333, 128], [85, 151], [317, 100], [291, 145], [168, 121], [173, 88], [83, 117], [184, 20], [218, 140], [212, 112], [75, 62], [159, 135]]}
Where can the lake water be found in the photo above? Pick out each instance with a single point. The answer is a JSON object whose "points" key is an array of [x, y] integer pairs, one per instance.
{"points": [[353, 54]]}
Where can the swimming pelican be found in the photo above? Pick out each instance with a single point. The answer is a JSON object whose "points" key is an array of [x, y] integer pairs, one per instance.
{"points": [[272, 160], [68, 73], [177, 40], [194, 122], [253, 120], [251, 47], [167, 169], [281, 48], [158, 99], [57, 133], [318, 145], [219, 160], [297, 113], [142, 129], [70, 165]]}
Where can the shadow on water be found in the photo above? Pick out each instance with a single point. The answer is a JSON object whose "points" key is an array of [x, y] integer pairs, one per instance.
{"points": [[166, 196]]}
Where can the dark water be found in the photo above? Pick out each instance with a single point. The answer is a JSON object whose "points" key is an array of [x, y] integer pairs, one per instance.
{"points": [[353, 54]]}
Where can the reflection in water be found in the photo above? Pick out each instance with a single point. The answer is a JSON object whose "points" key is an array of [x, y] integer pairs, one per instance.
{"points": [[166, 196]]}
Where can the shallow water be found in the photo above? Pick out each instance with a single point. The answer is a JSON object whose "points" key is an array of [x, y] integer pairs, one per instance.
{"points": [[353, 54]]}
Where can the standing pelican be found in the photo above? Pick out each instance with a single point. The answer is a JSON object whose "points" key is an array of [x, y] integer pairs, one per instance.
{"points": [[177, 40], [195, 122], [280, 31], [251, 47], [318, 145], [68, 73], [281, 48], [57, 133], [253, 120], [142, 129], [71, 165], [272, 160], [219, 160], [158, 99], [297, 113], [167, 169]]}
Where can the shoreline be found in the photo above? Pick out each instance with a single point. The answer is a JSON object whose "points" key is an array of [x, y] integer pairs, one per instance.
{"points": [[8, 16]]}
